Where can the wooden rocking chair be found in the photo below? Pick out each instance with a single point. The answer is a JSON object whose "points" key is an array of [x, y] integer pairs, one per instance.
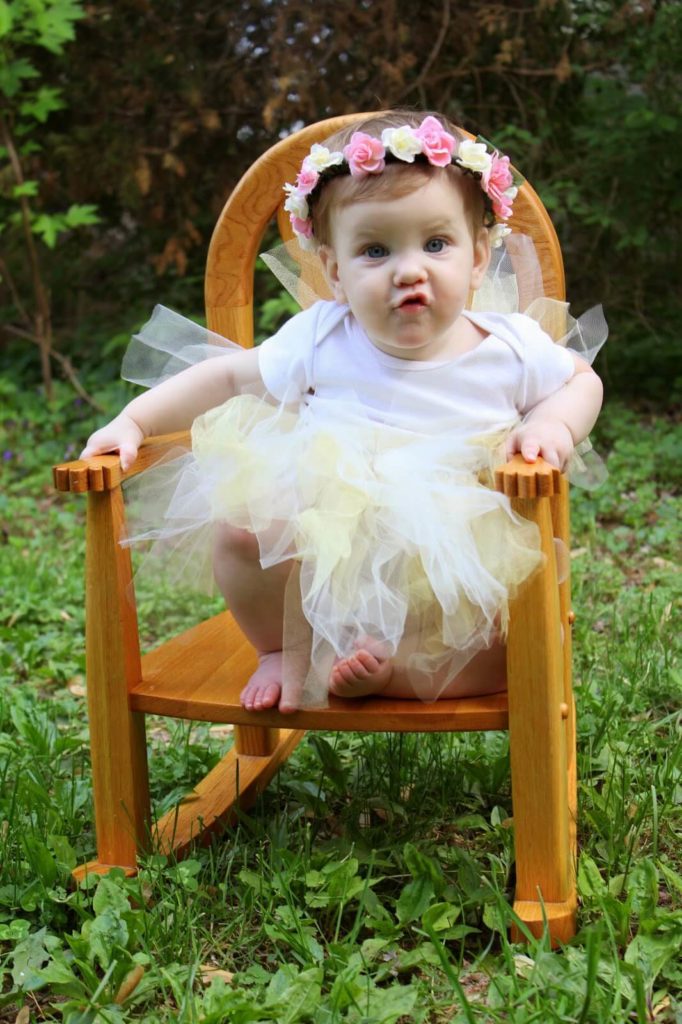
{"points": [[200, 674]]}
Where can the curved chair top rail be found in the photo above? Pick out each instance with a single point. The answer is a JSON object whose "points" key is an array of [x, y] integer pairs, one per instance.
{"points": [[258, 197]]}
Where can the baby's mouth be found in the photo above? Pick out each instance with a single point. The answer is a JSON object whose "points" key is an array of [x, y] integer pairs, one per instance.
{"points": [[413, 302]]}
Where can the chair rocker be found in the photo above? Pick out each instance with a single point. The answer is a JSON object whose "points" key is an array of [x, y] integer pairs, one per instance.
{"points": [[200, 674]]}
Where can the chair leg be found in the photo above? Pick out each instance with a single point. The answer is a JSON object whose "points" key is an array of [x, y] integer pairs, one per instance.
{"points": [[572, 785], [117, 735], [255, 739], [232, 785], [539, 724], [561, 530]]}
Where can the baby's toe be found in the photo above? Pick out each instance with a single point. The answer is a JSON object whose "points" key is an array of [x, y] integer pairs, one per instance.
{"points": [[357, 667], [257, 696], [340, 673], [267, 696], [341, 677], [368, 662], [340, 686]]}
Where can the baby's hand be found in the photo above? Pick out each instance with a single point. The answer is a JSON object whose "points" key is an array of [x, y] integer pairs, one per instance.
{"points": [[550, 438], [122, 435]]}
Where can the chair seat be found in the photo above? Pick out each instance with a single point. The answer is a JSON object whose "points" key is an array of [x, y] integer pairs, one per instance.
{"points": [[200, 674]]}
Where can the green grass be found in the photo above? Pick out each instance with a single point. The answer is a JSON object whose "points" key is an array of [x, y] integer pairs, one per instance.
{"points": [[372, 882]]}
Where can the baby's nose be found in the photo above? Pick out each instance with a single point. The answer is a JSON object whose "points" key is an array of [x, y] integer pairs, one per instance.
{"points": [[408, 269]]}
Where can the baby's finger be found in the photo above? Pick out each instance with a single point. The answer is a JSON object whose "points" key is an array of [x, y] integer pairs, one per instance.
{"points": [[530, 449], [88, 452], [551, 455], [128, 453], [95, 449], [513, 445]]}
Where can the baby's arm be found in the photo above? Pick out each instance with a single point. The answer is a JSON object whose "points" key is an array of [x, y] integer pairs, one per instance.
{"points": [[175, 404], [561, 421]]}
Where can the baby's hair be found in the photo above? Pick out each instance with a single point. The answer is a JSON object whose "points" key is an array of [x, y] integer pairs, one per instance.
{"points": [[396, 180]]}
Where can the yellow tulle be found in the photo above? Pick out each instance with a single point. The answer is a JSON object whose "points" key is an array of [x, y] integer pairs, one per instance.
{"points": [[395, 534]]}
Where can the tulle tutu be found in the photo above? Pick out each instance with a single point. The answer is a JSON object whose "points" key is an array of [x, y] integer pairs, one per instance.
{"points": [[396, 537]]}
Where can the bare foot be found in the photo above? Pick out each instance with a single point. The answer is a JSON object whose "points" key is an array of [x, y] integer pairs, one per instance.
{"points": [[266, 688], [265, 685], [360, 675]]}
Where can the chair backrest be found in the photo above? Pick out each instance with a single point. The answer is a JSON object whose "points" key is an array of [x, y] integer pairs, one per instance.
{"points": [[258, 198]]}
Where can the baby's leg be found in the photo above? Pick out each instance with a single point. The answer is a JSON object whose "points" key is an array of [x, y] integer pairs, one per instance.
{"points": [[485, 673], [369, 672], [255, 596]]}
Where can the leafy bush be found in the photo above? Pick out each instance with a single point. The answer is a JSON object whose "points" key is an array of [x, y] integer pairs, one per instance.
{"points": [[165, 109]]}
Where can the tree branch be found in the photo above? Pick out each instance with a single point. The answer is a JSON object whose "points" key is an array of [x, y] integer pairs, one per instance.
{"points": [[43, 320], [435, 50], [64, 362], [16, 298]]}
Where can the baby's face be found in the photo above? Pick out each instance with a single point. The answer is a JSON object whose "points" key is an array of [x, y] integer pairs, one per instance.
{"points": [[406, 266]]}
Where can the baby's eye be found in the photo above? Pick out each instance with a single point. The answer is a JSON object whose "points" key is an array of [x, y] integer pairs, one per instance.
{"points": [[376, 252], [435, 245]]}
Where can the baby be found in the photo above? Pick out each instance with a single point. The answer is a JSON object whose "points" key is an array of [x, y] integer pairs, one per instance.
{"points": [[343, 457]]}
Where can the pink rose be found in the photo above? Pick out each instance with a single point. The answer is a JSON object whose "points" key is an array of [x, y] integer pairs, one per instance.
{"points": [[498, 176], [306, 180], [437, 144], [496, 181], [365, 155], [302, 227], [502, 206]]}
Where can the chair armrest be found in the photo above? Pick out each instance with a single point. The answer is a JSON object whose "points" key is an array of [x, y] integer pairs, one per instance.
{"points": [[521, 479], [103, 472], [516, 478]]}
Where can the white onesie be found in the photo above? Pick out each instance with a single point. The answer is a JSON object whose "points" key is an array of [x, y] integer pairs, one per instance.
{"points": [[325, 351]]}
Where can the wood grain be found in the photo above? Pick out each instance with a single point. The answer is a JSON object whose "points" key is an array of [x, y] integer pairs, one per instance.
{"points": [[537, 730], [117, 734], [561, 529], [520, 479], [560, 918]]}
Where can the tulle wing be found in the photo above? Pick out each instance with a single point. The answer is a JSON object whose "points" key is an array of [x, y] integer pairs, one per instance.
{"points": [[167, 344], [170, 520]]}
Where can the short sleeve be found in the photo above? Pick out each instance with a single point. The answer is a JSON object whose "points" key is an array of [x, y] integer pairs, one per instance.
{"points": [[546, 365], [286, 360]]}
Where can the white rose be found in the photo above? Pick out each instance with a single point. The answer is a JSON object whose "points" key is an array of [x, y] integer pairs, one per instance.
{"points": [[307, 244], [497, 233], [511, 193], [297, 204], [402, 142], [474, 156], [320, 158]]}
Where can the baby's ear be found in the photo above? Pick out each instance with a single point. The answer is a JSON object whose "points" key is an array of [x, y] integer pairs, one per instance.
{"points": [[481, 258], [330, 265]]}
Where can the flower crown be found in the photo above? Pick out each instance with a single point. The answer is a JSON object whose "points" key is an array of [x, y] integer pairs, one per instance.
{"points": [[365, 155]]}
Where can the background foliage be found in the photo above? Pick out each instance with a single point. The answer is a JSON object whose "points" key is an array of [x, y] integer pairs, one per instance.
{"points": [[158, 108]]}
